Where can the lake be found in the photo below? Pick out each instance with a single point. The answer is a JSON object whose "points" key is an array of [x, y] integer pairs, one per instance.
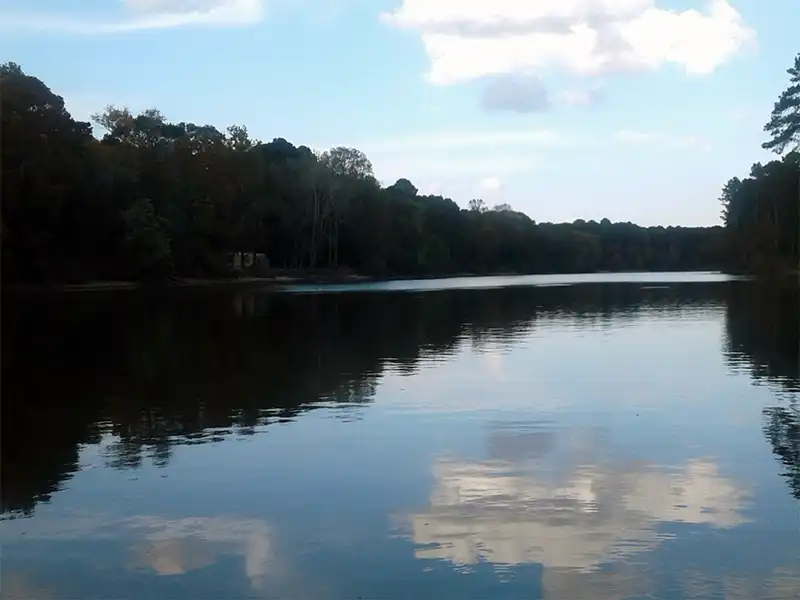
{"points": [[605, 437]]}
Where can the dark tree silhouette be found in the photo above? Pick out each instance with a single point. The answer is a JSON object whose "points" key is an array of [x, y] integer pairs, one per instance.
{"points": [[762, 212], [158, 199]]}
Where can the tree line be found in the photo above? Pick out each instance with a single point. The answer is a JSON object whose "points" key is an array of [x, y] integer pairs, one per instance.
{"points": [[154, 198], [761, 212], [157, 199]]}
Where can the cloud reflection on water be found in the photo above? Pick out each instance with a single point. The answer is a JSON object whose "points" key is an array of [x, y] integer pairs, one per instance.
{"points": [[167, 547], [574, 507], [173, 547]]}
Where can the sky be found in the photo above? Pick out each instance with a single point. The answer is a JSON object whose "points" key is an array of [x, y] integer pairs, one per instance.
{"points": [[633, 110]]}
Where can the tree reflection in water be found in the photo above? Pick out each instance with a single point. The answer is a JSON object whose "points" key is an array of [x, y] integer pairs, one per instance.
{"points": [[147, 372]]}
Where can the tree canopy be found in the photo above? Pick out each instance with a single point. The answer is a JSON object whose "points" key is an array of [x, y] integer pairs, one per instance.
{"points": [[784, 123], [154, 198], [762, 212]]}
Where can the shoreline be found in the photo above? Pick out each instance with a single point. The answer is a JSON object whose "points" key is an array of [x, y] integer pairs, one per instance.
{"points": [[189, 282], [278, 279], [194, 282]]}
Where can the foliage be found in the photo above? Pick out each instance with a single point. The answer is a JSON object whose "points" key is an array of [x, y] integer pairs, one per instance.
{"points": [[158, 198], [762, 212], [761, 217], [784, 123]]}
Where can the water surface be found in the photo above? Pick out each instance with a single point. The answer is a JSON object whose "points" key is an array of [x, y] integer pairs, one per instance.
{"points": [[610, 438]]}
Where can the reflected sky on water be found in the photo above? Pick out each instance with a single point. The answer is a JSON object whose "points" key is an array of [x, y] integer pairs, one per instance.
{"points": [[611, 439]]}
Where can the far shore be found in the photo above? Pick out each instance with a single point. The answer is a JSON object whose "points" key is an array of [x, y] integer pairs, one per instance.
{"points": [[184, 282], [320, 278], [277, 279]]}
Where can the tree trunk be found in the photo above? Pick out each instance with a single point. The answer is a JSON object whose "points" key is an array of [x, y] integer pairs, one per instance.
{"points": [[330, 245], [336, 242], [776, 231], [314, 225]]}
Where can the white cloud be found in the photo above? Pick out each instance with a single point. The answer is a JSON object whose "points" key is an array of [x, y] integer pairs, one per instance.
{"points": [[146, 14], [490, 189], [491, 184], [471, 39], [162, 6], [461, 177]]}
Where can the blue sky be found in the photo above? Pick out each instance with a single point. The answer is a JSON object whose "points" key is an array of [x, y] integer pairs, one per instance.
{"points": [[633, 110]]}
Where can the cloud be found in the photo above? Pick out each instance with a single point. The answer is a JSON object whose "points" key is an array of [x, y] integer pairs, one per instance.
{"points": [[480, 139], [516, 93], [492, 191], [493, 152], [452, 168], [144, 15], [472, 39], [581, 97], [491, 184], [629, 136], [436, 157], [453, 162]]}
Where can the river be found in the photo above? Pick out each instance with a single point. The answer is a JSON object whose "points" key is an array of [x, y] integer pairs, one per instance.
{"points": [[606, 437]]}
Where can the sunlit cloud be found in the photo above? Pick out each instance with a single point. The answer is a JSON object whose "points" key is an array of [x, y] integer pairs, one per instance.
{"points": [[473, 39]]}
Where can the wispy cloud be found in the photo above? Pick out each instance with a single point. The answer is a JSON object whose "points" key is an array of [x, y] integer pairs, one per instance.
{"points": [[463, 166], [581, 97], [494, 152], [739, 116], [143, 15], [456, 140], [657, 138]]}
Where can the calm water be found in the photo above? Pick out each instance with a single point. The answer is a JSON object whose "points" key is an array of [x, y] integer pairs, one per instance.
{"points": [[613, 438]]}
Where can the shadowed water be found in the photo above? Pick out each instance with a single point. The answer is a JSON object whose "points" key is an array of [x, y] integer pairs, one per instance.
{"points": [[610, 437]]}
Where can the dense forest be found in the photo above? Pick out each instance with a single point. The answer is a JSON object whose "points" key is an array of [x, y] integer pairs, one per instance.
{"points": [[760, 212], [155, 199]]}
